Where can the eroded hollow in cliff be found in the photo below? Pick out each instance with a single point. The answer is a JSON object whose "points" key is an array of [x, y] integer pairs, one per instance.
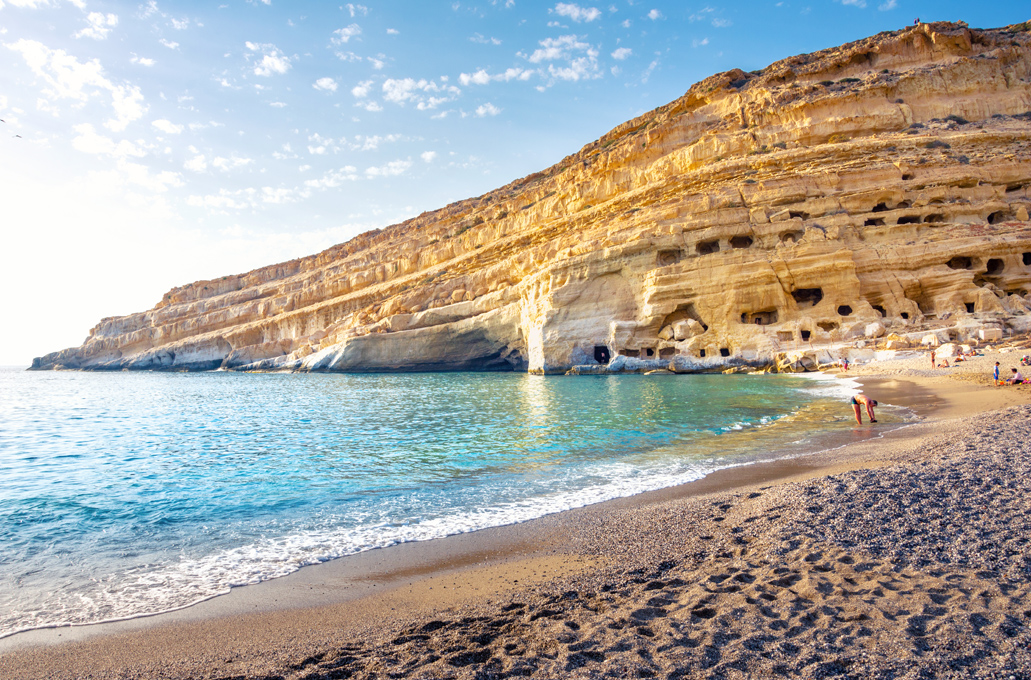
{"points": [[682, 313], [792, 236], [763, 318], [874, 222], [806, 334], [827, 326], [741, 242], [997, 217], [666, 258], [960, 262], [667, 353], [634, 353], [995, 267], [807, 297], [708, 247], [844, 310], [934, 217], [879, 310], [969, 307], [601, 354], [724, 352], [908, 219], [880, 207], [1026, 258]]}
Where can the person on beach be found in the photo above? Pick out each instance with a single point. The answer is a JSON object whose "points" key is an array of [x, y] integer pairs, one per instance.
{"points": [[995, 373], [933, 365], [858, 402], [1016, 379]]}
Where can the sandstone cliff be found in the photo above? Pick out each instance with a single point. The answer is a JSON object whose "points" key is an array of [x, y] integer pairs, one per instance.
{"points": [[876, 190]]}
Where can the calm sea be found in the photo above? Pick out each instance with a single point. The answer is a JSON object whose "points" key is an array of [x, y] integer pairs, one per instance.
{"points": [[124, 494]]}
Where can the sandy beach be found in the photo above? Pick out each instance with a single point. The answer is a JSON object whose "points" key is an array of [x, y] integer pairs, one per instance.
{"points": [[903, 554]]}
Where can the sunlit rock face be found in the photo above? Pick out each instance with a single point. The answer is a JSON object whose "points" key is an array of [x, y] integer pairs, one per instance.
{"points": [[874, 191]]}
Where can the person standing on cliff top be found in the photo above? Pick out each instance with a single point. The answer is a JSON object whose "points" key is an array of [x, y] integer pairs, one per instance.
{"points": [[858, 402]]}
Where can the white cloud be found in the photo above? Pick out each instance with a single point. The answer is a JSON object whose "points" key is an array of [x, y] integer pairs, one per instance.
{"points": [[481, 77], [581, 57], [196, 164], [721, 23], [346, 33], [325, 84], [428, 156], [361, 90], [479, 38], [861, 4], [224, 200], [356, 9], [576, 12], [393, 31], [99, 26], [88, 141], [227, 164], [487, 109], [699, 43], [272, 60], [142, 61], [887, 6], [179, 24], [334, 178], [403, 90], [377, 64], [68, 78], [167, 126], [655, 15], [391, 169], [622, 53], [170, 44], [371, 106], [278, 105]]}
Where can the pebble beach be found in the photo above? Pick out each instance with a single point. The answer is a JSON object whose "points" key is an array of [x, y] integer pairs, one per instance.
{"points": [[903, 555]]}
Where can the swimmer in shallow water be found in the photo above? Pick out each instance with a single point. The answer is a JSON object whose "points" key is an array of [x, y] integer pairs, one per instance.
{"points": [[858, 402]]}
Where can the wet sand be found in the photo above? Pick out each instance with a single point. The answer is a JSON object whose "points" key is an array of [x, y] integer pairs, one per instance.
{"points": [[898, 554]]}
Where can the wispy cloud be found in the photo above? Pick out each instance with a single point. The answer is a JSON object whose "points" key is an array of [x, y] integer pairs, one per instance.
{"points": [[887, 6], [345, 34], [481, 77], [355, 10], [167, 126], [272, 59], [325, 84], [576, 12], [142, 61], [98, 26], [68, 78], [622, 53], [391, 169], [426, 94], [655, 15], [480, 39], [487, 109], [581, 58], [428, 156]]}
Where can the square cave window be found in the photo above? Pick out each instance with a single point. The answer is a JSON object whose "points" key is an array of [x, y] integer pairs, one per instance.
{"points": [[708, 247], [601, 354], [667, 353], [741, 242], [701, 353], [649, 352], [970, 307], [785, 336], [724, 352], [1026, 258], [636, 353], [806, 335]]}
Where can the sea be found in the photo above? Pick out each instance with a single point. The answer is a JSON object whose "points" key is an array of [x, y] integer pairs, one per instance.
{"points": [[128, 494]]}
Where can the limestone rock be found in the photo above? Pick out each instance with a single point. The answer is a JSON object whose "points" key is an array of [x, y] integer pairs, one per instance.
{"points": [[884, 182], [874, 330]]}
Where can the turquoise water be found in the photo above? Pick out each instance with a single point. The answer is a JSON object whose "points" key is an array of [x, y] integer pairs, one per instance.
{"points": [[126, 494]]}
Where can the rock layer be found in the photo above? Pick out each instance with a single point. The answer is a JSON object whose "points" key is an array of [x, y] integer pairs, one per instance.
{"points": [[869, 192]]}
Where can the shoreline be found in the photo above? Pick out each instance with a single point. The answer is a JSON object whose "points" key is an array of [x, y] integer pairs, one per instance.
{"points": [[361, 594]]}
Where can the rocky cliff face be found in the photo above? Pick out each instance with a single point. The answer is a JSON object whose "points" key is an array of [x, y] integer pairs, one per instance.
{"points": [[874, 190]]}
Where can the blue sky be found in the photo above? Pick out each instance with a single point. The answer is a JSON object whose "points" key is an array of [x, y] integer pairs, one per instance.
{"points": [[148, 145]]}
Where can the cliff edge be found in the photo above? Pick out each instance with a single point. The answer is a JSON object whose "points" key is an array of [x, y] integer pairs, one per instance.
{"points": [[870, 194]]}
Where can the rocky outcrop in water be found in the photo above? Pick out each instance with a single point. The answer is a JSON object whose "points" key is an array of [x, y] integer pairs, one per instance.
{"points": [[870, 192]]}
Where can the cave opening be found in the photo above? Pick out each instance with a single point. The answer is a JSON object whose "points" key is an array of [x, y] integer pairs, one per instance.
{"points": [[806, 334], [798, 214], [904, 315], [1013, 187], [996, 217], [934, 217], [785, 336], [807, 297], [708, 247], [970, 307], [880, 207], [908, 219], [724, 352], [827, 326], [791, 236], [633, 353], [701, 353], [601, 354], [880, 310], [667, 353], [960, 262], [649, 351], [665, 258], [741, 242], [995, 267], [844, 310], [904, 204], [874, 222], [762, 318], [1026, 258]]}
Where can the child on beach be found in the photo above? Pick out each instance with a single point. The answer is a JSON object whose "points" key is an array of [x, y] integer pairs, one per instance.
{"points": [[1017, 378], [863, 400], [995, 373]]}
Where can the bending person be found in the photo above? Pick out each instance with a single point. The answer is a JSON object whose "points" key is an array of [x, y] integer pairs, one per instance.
{"points": [[858, 402]]}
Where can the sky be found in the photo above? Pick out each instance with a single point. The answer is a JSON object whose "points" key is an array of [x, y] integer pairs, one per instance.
{"points": [[146, 145]]}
